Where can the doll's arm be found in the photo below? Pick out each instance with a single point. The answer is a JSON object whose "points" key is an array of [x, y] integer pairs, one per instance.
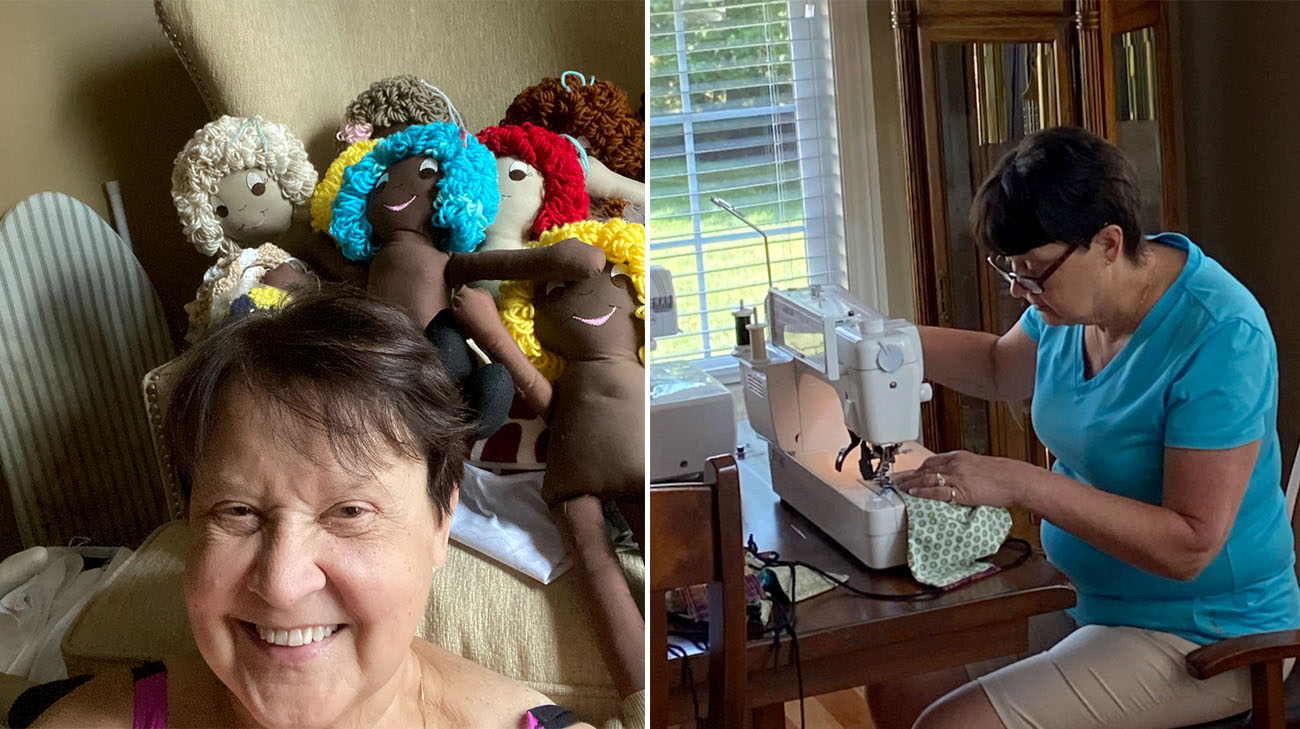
{"points": [[604, 182], [477, 313], [568, 260]]}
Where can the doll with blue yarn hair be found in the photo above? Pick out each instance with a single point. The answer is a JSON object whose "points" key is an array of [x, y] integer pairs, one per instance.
{"points": [[414, 208]]}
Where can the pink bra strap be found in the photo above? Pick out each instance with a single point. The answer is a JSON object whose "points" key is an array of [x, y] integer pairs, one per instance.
{"points": [[150, 697]]}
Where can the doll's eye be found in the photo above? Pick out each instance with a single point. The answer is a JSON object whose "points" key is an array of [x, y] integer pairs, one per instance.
{"points": [[520, 169], [221, 210], [429, 168], [383, 180], [256, 182], [556, 287], [620, 269]]}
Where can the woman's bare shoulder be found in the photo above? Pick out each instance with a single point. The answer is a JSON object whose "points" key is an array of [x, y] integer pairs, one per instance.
{"points": [[471, 692], [103, 702]]}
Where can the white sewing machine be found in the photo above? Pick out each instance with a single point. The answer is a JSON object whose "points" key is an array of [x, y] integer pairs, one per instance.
{"points": [[836, 392], [691, 414]]}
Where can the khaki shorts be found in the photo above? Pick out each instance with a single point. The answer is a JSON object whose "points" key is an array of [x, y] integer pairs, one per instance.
{"points": [[1106, 677]]}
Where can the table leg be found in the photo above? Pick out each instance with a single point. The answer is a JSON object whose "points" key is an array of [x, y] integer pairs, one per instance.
{"points": [[771, 716]]}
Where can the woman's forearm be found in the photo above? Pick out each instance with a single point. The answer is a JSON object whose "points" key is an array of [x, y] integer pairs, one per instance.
{"points": [[1154, 538]]}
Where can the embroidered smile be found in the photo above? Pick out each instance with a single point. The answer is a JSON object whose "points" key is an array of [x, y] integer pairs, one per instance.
{"points": [[256, 225], [598, 320], [396, 208]]}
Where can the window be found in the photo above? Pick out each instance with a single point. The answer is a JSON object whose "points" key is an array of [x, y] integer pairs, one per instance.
{"points": [[741, 107]]}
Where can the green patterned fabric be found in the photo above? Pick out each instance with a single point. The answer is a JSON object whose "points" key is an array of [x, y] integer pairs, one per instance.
{"points": [[945, 541]]}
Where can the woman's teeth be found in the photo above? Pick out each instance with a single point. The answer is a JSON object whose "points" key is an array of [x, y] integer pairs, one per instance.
{"points": [[297, 636]]}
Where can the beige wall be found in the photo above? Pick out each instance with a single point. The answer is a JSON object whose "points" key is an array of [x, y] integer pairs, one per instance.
{"points": [[1239, 106]]}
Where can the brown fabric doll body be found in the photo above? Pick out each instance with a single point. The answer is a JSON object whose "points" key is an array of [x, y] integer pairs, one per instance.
{"points": [[596, 412]]}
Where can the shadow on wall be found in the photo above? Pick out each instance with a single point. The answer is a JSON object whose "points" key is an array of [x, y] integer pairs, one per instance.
{"points": [[143, 111]]}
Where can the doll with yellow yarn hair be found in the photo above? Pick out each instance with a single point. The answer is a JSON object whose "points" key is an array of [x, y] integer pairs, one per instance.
{"points": [[575, 350]]}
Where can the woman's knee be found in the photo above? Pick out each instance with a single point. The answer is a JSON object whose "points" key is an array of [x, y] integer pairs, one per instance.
{"points": [[967, 707]]}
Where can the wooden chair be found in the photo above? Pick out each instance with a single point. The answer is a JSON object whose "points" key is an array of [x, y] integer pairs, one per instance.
{"points": [[1275, 704], [695, 538]]}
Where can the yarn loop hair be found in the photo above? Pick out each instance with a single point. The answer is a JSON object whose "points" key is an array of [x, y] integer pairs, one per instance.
{"points": [[322, 200], [467, 198], [622, 242], [564, 184], [225, 146], [403, 99], [598, 110]]}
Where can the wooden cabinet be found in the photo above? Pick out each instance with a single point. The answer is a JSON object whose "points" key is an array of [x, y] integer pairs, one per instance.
{"points": [[975, 77]]}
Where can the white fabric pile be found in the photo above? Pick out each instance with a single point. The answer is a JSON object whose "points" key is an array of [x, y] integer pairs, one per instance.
{"points": [[41, 591]]}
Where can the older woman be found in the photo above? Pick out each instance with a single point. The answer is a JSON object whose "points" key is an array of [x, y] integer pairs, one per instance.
{"points": [[319, 447], [1153, 374]]}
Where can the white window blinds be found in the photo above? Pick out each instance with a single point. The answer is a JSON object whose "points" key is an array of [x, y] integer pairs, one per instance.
{"points": [[742, 108]]}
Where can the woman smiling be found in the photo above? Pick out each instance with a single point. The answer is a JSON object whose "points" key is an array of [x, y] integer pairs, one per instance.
{"points": [[319, 447]]}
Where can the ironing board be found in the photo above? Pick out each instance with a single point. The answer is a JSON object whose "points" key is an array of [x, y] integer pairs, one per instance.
{"points": [[80, 324]]}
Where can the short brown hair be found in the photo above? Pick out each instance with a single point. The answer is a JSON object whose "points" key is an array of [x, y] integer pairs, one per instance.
{"points": [[356, 369], [1061, 184]]}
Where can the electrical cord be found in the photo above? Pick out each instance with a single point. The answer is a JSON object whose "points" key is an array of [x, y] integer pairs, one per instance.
{"points": [[784, 623]]}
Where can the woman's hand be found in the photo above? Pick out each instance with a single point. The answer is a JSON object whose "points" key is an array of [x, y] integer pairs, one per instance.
{"points": [[965, 478]]}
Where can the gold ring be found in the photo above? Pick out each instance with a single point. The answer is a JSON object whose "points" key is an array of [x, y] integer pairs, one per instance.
{"points": [[952, 494], [939, 480]]}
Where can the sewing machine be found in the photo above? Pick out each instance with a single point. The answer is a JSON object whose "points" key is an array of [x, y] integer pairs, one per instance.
{"points": [[834, 364], [691, 414]]}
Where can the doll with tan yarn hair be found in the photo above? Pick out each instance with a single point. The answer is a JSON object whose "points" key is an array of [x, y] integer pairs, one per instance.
{"points": [[390, 105], [575, 350], [238, 184]]}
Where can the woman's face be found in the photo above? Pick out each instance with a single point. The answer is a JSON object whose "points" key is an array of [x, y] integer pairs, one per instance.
{"points": [[305, 580], [1068, 293], [251, 207]]}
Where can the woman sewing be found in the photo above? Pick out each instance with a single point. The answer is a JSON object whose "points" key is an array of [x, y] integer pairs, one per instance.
{"points": [[1153, 374], [319, 448]]}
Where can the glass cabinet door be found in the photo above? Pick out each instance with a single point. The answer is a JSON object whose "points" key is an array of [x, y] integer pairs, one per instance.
{"points": [[1137, 117], [989, 95]]}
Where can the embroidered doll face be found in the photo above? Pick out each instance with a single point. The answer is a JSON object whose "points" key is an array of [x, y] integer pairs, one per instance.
{"points": [[580, 319], [251, 206], [403, 197], [521, 196]]}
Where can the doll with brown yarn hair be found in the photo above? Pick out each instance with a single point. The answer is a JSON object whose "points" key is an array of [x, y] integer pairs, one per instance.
{"points": [[575, 350], [597, 114]]}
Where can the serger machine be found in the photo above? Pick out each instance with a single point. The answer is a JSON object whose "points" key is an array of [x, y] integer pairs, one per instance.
{"points": [[831, 364]]}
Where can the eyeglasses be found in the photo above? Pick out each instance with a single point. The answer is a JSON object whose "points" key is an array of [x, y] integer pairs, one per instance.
{"points": [[1032, 284]]}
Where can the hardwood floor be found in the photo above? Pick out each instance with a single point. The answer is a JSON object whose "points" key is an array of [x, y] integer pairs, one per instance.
{"points": [[840, 710]]}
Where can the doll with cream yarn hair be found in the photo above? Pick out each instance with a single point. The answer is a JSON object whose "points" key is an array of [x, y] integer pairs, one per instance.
{"points": [[237, 185]]}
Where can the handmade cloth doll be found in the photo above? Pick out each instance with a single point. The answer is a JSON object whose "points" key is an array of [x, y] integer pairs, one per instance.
{"points": [[391, 105], [240, 182], [541, 181], [413, 208], [575, 348], [596, 113]]}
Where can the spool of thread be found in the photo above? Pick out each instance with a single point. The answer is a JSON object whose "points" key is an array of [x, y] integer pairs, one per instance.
{"points": [[744, 315], [757, 345]]}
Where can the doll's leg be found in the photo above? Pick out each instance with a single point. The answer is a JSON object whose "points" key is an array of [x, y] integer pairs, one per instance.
{"points": [[488, 392], [446, 335], [633, 511], [620, 629]]}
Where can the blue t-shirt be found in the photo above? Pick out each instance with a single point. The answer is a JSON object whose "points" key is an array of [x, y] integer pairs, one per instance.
{"points": [[1200, 371]]}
